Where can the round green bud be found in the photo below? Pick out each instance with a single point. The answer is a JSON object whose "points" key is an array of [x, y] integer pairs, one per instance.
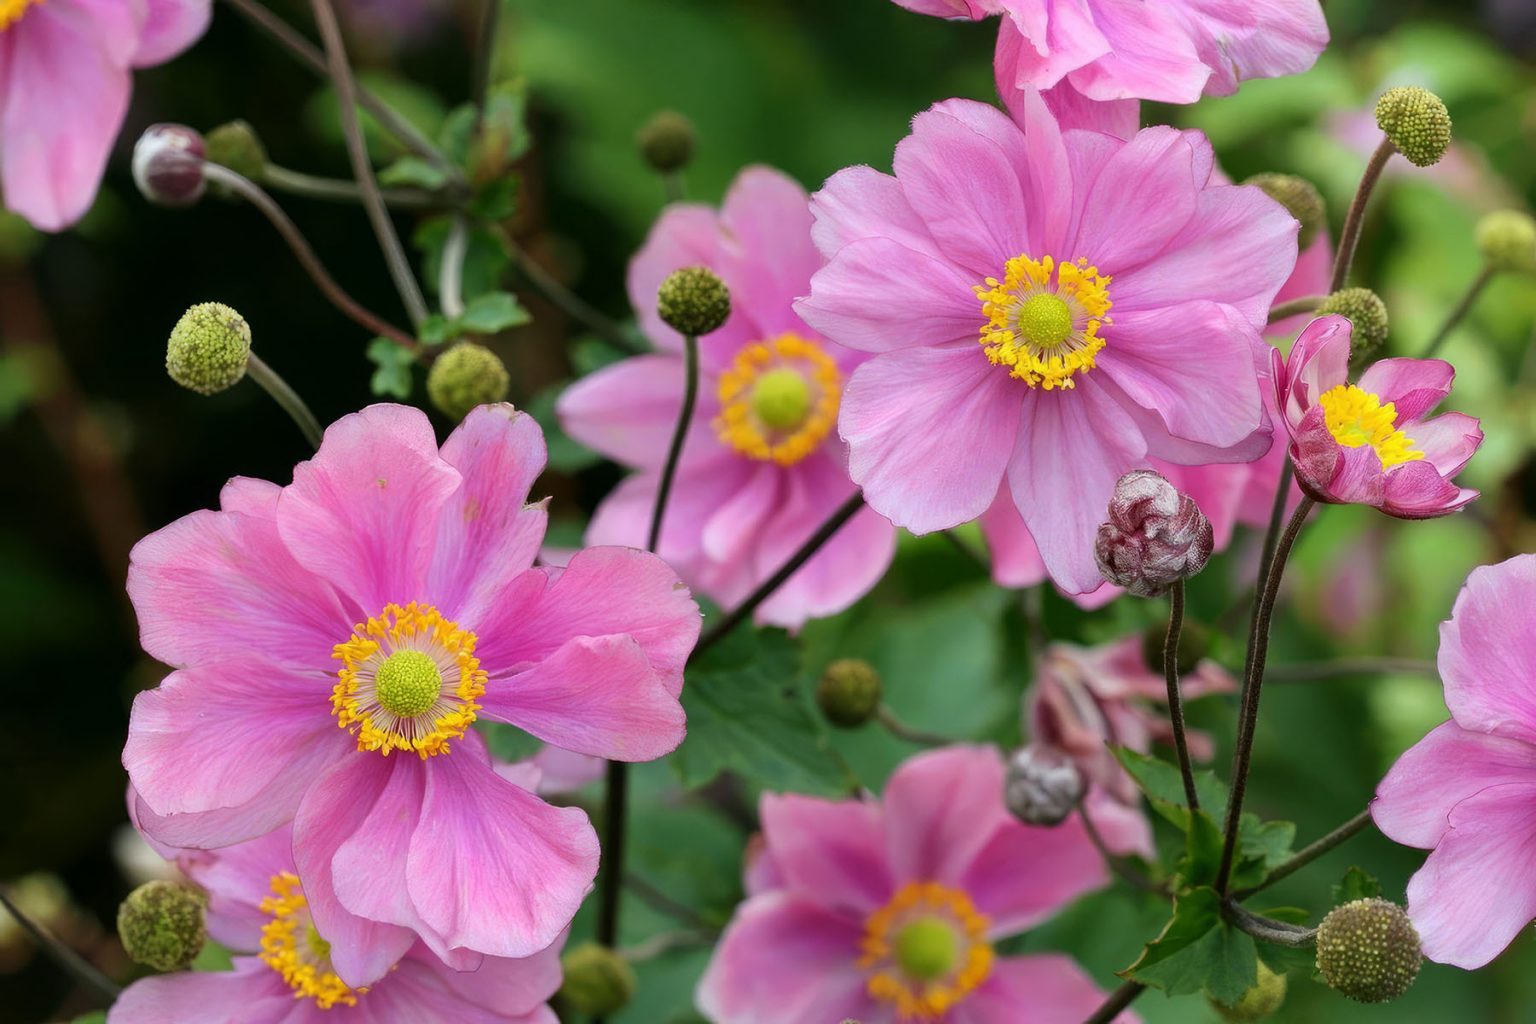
{"points": [[598, 981], [849, 692], [927, 949], [465, 376], [1259, 1002], [1507, 240], [209, 348], [1368, 950], [1194, 645], [693, 301], [237, 146], [1301, 200], [1417, 122], [666, 141], [161, 925], [1364, 309]]}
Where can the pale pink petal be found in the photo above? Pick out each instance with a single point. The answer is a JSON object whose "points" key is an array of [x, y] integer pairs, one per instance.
{"points": [[1051, 196], [1414, 802], [368, 867], [768, 216], [629, 410], [698, 494], [1149, 182], [501, 985], [1314, 268], [1024, 875], [831, 852], [1016, 559], [876, 295], [1150, 56], [250, 992], [1124, 827], [861, 202], [237, 878], [1036, 49], [1074, 111], [1242, 39], [1448, 441], [735, 526], [1486, 653], [1413, 386], [974, 9], [172, 26], [1042, 988], [940, 811]]}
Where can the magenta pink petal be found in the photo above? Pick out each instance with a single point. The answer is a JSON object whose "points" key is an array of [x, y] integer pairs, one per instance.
{"points": [[846, 568], [828, 851], [1037, 49], [1043, 988], [501, 985], [1149, 182], [861, 202], [237, 878], [941, 809], [629, 410], [1416, 490], [736, 524], [767, 216], [171, 27], [1016, 559], [1414, 802], [1023, 875], [1150, 56], [876, 295], [1413, 386], [1243, 39], [250, 992], [1486, 653], [1448, 441], [368, 868], [1074, 111]]}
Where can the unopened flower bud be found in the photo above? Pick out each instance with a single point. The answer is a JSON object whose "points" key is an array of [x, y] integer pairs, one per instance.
{"points": [[849, 692], [1154, 537], [465, 376], [666, 141], [598, 982], [1194, 645], [237, 146], [1507, 240], [1259, 1002], [1368, 950], [161, 925], [693, 301], [209, 348], [1417, 122], [168, 165], [1367, 315], [1043, 785], [1301, 200]]}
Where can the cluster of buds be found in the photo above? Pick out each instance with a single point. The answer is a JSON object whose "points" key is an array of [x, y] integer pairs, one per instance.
{"points": [[1154, 536]]}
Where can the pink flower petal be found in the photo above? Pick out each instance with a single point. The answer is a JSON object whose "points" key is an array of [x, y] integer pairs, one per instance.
{"points": [[250, 992], [629, 410], [237, 878], [1448, 441], [501, 985], [876, 295], [172, 26], [1414, 802], [941, 809], [1043, 988], [1241, 39], [768, 216], [861, 202], [1413, 386], [1149, 182], [1150, 56], [1486, 653], [829, 851], [1023, 875], [1416, 490], [1038, 49]]}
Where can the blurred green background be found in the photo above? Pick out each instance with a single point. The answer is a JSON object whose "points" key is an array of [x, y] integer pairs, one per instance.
{"points": [[100, 447]]}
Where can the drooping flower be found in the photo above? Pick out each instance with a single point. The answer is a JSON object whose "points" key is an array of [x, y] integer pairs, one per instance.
{"points": [[283, 974], [887, 911], [1467, 791], [1173, 50], [66, 71], [762, 467], [1050, 309], [336, 639], [1369, 443]]}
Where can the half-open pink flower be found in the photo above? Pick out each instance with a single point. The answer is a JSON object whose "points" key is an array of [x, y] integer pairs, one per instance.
{"points": [[887, 911], [1050, 309], [1369, 443], [283, 974], [1467, 791], [66, 71], [762, 467], [336, 639]]}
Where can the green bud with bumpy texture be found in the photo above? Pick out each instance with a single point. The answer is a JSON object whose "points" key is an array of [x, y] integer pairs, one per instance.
{"points": [[1507, 240], [1194, 645], [1301, 200], [1368, 950], [465, 376], [161, 925], [666, 141], [1417, 122], [209, 348], [237, 146], [849, 692], [693, 301], [1259, 1002], [1364, 309], [598, 981]]}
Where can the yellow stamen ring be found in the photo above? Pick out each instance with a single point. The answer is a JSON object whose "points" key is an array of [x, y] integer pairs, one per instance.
{"points": [[779, 400], [292, 947], [12, 10], [1357, 418], [1043, 319], [927, 950]]}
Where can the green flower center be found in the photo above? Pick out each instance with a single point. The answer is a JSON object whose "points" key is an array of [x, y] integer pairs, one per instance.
{"points": [[317, 946], [408, 683], [781, 399], [927, 949], [1045, 320]]}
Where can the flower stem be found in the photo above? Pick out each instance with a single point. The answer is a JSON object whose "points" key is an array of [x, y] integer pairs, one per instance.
{"points": [[1118, 1000], [1308, 854], [450, 277], [679, 435], [285, 396], [902, 731], [1468, 300], [72, 963], [1349, 238], [1296, 307], [567, 301], [1280, 933], [485, 53], [339, 190], [1175, 701]]}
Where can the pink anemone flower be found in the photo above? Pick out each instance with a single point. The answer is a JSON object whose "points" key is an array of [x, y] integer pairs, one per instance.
{"points": [[66, 72], [1369, 443], [762, 467], [379, 605], [282, 972], [1467, 791], [1049, 309], [887, 911], [1171, 50]]}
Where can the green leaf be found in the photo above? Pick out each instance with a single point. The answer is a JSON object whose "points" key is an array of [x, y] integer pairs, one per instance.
{"points": [[496, 200], [1199, 951], [94, 1017], [1357, 884], [485, 257], [1202, 850], [393, 361], [492, 312], [508, 742], [436, 329], [413, 171], [590, 354], [1163, 785], [213, 957]]}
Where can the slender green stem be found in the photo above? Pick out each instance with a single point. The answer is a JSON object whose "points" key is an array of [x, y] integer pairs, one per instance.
{"points": [[1349, 238], [1296, 307], [1175, 700], [963, 546], [666, 942], [679, 435], [285, 397], [1280, 933], [675, 186], [73, 963], [338, 190], [1343, 668], [450, 277], [1468, 300], [902, 731], [485, 53], [1118, 1000], [1310, 853], [567, 301]]}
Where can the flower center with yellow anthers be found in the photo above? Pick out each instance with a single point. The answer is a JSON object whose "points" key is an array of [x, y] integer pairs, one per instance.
{"points": [[779, 399], [1043, 319], [291, 947], [1357, 418], [926, 950], [408, 681], [12, 10]]}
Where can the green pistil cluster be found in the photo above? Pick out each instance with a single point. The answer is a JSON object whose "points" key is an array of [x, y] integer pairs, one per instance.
{"points": [[1417, 122], [208, 349], [408, 684]]}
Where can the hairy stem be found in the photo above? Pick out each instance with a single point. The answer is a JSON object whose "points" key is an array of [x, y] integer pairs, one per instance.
{"points": [[679, 435], [1266, 929], [1175, 701], [1295, 307], [1118, 1000], [1349, 238], [1468, 300], [286, 397], [73, 963], [338, 190], [1310, 853], [902, 731]]}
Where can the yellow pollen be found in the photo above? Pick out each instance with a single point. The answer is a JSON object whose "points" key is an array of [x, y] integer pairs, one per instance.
{"points": [[926, 950], [779, 400], [291, 947], [12, 10], [1043, 319], [408, 681], [1357, 418]]}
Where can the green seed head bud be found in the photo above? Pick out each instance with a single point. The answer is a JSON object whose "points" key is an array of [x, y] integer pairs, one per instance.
{"points": [[1365, 310], [1258, 1002], [1507, 240], [849, 692], [598, 981], [237, 146], [465, 376], [1194, 645], [666, 141], [1417, 122], [1301, 200], [161, 925], [693, 301], [209, 348], [1368, 950]]}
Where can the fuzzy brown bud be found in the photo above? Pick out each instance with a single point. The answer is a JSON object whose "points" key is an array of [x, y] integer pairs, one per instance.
{"points": [[1154, 536], [1368, 950], [693, 301], [666, 141]]}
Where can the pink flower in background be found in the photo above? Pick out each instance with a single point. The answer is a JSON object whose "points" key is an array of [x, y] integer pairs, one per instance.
{"points": [[1369, 443], [1171, 50], [1467, 791], [66, 71], [378, 605], [282, 971], [762, 467], [886, 911], [1048, 310]]}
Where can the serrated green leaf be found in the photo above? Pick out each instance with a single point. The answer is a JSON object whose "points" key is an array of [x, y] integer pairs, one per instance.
{"points": [[1163, 785], [492, 312], [457, 131], [436, 329], [1199, 951], [1202, 850], [1357, 884], [393, 373], [413, 171], [1195, 912]]}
